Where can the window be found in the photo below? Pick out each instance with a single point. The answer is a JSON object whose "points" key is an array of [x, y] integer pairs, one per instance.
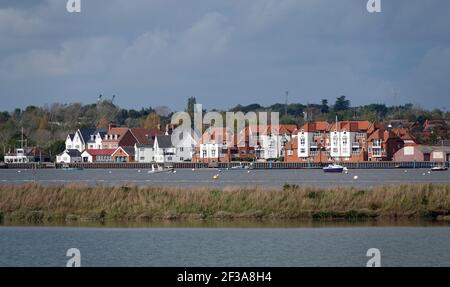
{"points": [[344, 140], [181, 158], [302, 150], [181, 149], [335, 140], [290, 152], [204, 153], [302, 141], [142, 158], [213, 153]]}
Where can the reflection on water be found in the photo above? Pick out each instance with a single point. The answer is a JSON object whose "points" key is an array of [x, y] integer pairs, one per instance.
{"points": [[241, 223]]}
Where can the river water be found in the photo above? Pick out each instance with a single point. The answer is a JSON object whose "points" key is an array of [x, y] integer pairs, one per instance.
{"points": [[188, 247], [189, 178], [233, 244]]}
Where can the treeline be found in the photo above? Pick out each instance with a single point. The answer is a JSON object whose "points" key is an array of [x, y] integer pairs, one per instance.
{"points": [[48, 126], [296, 113]]}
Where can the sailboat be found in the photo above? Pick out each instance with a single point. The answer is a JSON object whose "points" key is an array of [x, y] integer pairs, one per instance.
{"points": [[443, 166]]}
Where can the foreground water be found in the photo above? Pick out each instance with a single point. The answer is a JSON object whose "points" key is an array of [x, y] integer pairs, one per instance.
{"points": [[264, 178], [187, 247]]}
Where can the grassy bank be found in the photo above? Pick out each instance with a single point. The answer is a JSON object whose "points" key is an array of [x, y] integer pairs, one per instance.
{"points": [[37, 203]]}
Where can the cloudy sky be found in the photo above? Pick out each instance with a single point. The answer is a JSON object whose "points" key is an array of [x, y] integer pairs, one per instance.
{"points": [[224, 52]]}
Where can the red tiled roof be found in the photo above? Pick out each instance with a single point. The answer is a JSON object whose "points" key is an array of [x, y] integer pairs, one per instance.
{"points": [[120, 132], [315, 126], [351, 126], [144, 136], [97, 152]]}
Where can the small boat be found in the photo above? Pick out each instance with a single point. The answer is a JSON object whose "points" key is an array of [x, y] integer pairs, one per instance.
{"points": [[71, 168], [336, 168], [439, 168], [160, 169]]}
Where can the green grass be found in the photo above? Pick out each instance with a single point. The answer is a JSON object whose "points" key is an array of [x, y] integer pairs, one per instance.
{"points": [[37, 203]]}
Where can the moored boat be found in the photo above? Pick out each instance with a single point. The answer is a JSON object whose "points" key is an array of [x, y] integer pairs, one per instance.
{"points": [[439, 168], [336, 168]]}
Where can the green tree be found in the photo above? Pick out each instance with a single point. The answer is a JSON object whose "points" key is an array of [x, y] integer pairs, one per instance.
{"points": [[324, 108], [342, 104]]}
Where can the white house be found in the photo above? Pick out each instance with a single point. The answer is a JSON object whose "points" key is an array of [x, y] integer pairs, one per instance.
{"points": [[271, 139], [95, 139], [69, 156], [81, 138], [162, 150]]}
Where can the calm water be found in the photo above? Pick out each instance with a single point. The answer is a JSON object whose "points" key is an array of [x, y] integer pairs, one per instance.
{"points": [[269, 178], [400, 246]]}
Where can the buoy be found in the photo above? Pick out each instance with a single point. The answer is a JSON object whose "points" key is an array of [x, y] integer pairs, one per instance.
{"points": [[355, 177], [139, 170], [406, 171], [193, 169], [19, 171], [174, 171], [424, 174], [216, 177], [429, 172], [110, 171], [248, 171]]}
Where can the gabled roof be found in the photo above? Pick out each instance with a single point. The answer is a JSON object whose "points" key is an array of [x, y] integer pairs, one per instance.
{"points": [[164, 141], [315, 126], [128, 150], [351, 126], [100, 131], [85, 134], [144, 136], [120, 132], [71, 136]]}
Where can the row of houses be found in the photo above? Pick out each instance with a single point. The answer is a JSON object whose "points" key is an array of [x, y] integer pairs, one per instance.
{"points": [[121, 144], [352, 141]]}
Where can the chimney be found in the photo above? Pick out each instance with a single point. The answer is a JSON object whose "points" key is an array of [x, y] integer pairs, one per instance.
{"points": [[112, 125]]}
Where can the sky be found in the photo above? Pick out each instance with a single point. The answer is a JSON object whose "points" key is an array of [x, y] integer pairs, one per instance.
{"points": [[224, 52]]}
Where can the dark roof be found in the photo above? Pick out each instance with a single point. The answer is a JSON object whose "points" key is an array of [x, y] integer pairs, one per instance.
{"points": [[164, 141], [129, 150], [86, 133], [71, 136], [102, 133], [72, 152]]}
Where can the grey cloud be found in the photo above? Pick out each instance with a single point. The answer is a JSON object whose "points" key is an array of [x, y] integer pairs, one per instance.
{"points": [[159, 52]]}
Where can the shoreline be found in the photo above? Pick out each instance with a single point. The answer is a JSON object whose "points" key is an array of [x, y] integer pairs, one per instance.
{"points": [[39, 204]]}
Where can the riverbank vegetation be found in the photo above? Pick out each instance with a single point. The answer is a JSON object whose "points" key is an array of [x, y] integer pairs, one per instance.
{"points": [[39, 204]]}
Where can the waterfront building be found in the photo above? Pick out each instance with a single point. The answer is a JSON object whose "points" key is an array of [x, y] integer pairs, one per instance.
{"points": [[97, 155], [27, 155], [270, 139], [353, 141], [423, 153], [123, 155], [69, 156]]}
